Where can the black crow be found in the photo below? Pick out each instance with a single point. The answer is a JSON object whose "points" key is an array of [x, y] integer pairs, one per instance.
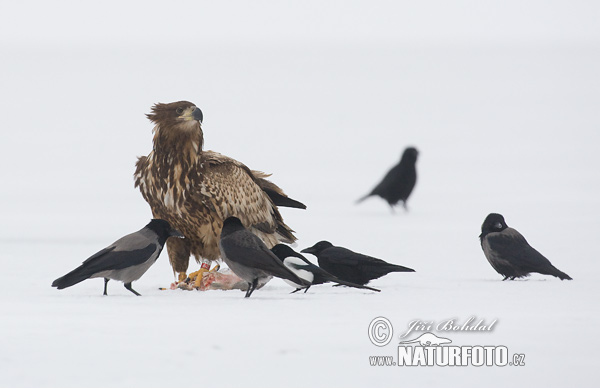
{"points": [[306, 270], [126, 260], [509, 253], [351, 266], [399, 182], [249, 258]]}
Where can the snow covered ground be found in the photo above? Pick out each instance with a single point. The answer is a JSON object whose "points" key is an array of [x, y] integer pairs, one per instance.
{"points": [[502, 126]]}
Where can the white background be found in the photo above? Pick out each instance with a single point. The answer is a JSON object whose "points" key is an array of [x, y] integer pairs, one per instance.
{"points": [[500, 97]]}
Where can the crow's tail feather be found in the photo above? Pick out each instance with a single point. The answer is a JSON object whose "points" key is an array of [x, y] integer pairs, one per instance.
{"points": [[350, 284], [399, 268], [363, 198], [559, 274]]}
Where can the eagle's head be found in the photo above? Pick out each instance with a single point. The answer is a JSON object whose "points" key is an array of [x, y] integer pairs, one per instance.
{"points": [[176, 113], [177, 127]]}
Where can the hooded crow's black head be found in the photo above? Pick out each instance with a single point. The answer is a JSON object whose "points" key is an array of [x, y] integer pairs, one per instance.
{"points": [[163, 229], [318, 247], [230, 225], [494, 222]]}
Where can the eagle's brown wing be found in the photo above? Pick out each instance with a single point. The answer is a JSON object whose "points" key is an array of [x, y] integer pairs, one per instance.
{"points": [[230, 188], [274, 192]]}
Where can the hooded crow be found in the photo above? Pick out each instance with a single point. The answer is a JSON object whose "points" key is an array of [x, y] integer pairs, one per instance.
{"points": [[306, 270], [351, 266], [126, 260], [510, 254], [249, 258], [399, 182]]}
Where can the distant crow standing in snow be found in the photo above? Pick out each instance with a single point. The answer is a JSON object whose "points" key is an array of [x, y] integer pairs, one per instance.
{"points": [[351, 266], [399, 182], [509, 253], [306, 270], [127, 259], [249, 258]]}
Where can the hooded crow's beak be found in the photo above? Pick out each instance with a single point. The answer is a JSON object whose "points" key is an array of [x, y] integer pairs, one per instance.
{"points": [[175, 233]]}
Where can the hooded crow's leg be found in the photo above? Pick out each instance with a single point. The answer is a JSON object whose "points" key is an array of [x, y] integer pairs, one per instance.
{"points": [[105, 283], [128, 286], [506, 277], [251, 287]]}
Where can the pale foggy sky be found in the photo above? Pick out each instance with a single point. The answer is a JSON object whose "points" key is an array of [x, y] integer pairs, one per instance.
{"points": [[178, 23]]}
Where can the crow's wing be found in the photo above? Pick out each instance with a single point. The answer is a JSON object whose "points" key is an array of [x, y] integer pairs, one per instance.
{"points": [[247, 249], [111, 259], [344, 256], [513, 247]]}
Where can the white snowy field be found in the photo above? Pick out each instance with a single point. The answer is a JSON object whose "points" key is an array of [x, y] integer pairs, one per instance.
{"points": [[509, 126]]}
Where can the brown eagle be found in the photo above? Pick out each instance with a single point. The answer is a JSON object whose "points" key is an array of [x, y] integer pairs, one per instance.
{"points": [[195, 190]]}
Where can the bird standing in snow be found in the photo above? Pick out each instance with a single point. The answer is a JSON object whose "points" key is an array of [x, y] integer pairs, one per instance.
{"points": [[126, 260], [195, 190], [306, 270], [399, 182], [351, 266], [249, 258], [510, 254]]}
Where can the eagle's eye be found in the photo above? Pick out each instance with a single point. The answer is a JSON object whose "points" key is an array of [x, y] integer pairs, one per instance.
{"points": [[179, 111]]}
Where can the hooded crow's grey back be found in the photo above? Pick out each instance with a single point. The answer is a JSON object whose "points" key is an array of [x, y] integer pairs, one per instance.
{"points": [[126, 260], [510, 254], [351, 266], [399, 182], [249, 258], [306, 270]]}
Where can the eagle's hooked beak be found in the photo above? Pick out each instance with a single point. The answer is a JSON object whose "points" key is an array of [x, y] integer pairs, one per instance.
{"points": [[197, 115]]}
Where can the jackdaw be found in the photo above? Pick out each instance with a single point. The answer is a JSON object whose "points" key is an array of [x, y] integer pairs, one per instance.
{"points": [[126, 260], [399, 182], [306, 270], [509, 253], [351, 266], [249, 258]]}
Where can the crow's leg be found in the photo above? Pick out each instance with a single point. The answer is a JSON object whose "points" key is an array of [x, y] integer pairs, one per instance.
{"points": [[128, 286], [251, 287], [105, 283]]}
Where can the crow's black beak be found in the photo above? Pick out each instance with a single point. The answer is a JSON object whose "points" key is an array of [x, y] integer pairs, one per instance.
{"points": [[310, 250], [197, 115]]}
